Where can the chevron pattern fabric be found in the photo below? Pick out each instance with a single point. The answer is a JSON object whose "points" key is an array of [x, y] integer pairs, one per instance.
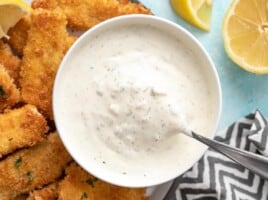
{"points": [[216, 177]]}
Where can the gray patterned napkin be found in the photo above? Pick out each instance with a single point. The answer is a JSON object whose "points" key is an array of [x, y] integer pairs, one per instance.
{"points": [[217, 177]]}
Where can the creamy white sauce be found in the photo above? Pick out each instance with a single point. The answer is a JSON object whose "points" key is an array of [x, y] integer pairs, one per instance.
{"points": [[127, 93]]}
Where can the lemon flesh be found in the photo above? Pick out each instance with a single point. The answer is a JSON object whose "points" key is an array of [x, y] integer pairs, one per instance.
{"points": [[11, 11], [245, 33], [196, 12]]}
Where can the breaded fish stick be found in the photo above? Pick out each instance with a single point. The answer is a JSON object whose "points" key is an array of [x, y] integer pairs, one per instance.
{"points": [[49, 192], [78, 184], [83, 14], [9, 94], [9, 61], [47, 42], [21, 127], [18, 35], [32, 168]]}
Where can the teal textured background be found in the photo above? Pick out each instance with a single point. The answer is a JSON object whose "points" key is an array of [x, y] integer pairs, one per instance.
{"points": [[243, 92]]}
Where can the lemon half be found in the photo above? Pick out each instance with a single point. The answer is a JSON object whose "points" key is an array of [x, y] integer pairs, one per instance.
{"points": [[11, 11], [245, 33], [196, 12]]}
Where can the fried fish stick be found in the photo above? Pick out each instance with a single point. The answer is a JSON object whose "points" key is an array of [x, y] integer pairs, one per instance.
{"points": [[32, 168], [83, 14], [18, 35], [49, 192], [47, 42], [9, 61], [78, 184], [21, 127], [9, 94]]}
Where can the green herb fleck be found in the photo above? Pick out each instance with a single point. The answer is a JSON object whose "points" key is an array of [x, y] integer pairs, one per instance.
{"points": [[83, 196], [2, 92], [91, 181], [30, 177], [18, 162]]}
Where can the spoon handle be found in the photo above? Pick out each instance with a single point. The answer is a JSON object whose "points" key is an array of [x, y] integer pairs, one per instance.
{"points": [[255, 163]]}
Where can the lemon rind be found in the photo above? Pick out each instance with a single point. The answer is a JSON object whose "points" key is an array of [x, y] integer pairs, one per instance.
{"points": [[185, 10]]}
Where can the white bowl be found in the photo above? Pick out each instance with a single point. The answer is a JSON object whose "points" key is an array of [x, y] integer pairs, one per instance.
{"points": [[68, 138]]}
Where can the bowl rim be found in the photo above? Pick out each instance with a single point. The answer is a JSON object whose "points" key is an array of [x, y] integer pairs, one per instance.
{"points": [[183, 31]]}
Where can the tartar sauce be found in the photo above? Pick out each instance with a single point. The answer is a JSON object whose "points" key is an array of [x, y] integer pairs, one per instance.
{"points": [[128, 92]]}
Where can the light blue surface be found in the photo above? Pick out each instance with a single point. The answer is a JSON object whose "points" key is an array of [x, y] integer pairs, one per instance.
{"points": [[243, 92]]}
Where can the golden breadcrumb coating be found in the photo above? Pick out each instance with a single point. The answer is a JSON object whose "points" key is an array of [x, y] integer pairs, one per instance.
{"points": [[49, 192], [32, 168], [45, 4], [9, 61], [78, 184], [47, 42], [83, 14], [22, 127], [9, 94], [18, 35]]}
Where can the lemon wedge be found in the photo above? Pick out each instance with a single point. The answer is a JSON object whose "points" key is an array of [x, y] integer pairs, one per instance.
{"points": [[196, 12], [245, 33], [11, 11]]}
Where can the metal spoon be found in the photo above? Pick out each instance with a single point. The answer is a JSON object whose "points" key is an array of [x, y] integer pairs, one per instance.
{"points": [[255, 163]]}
